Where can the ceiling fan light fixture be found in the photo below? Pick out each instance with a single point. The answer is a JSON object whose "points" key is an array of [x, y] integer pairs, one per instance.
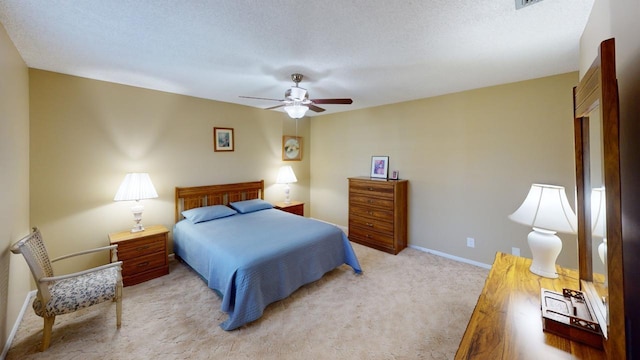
{"points": [[297, 93], [296, 111]]}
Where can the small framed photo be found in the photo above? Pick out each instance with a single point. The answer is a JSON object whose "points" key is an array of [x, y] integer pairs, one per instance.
{"points": [[222, 139], [395, 174], [291, 148], [380, 167]]}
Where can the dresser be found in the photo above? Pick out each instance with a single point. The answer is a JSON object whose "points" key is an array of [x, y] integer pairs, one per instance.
{"points": [[378, 213], [507, 320], [144, 254]]}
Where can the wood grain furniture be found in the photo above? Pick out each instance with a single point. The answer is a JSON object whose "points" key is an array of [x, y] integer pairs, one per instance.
{"points": [[596, 111], [378, 213], [144, 254], [507, 323], [295, 207], [257, 255], [63, 294]]}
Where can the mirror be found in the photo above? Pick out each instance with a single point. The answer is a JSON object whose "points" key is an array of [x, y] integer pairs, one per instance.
{"points": [[596, 128]]}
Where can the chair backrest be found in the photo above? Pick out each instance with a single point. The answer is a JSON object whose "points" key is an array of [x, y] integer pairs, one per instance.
{"points": [[34, 252]]}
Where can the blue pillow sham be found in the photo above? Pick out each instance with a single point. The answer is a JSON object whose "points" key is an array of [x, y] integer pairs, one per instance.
{"points": [[206, 213], [247, 206]]}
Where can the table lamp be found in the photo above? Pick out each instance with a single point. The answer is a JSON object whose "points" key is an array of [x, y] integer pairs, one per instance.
{"points": [[286, 176], [136, 186], [546, 209]]}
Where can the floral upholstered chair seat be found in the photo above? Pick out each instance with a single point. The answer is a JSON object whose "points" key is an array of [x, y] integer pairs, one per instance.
{"points": [[72, 294]]}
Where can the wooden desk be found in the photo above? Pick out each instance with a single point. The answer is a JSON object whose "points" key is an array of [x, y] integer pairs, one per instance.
{"points": [[507, 320]]}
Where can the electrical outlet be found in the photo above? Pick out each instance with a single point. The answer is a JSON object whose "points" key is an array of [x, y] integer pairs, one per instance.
{"points": [[515, 251], [471, 242]]}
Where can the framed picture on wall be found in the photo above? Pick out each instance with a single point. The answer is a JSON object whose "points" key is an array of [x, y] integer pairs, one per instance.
{"points": [[380, 167], [291, 148], [222, 139]]}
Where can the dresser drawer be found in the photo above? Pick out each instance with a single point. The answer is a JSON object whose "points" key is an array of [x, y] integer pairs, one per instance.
{"points": [[373, 225], [361, 235], [358, 199], [147, 245], [371, 188], [143, 263], [380, 214]]}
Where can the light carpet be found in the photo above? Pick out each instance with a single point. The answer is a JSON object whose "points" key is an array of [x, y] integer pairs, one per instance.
{"points": [[413, 305]]}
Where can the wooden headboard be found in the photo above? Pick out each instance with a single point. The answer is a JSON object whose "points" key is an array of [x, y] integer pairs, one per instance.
{"points": [[207, 195]]}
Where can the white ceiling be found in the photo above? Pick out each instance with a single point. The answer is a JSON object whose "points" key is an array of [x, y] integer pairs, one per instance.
{"points": [[374, 51]]}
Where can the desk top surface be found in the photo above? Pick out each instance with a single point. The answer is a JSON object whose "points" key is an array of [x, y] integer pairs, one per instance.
{"points": [[507, 320]]}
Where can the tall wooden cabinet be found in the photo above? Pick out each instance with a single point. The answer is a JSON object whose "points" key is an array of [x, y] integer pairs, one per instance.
{"points": [[378, 213]]}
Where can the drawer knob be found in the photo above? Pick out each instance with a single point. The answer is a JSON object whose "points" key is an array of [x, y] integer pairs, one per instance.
{"points": [[370, 212], [370, 189], [146, 263], [369, 236], [369, 224]]}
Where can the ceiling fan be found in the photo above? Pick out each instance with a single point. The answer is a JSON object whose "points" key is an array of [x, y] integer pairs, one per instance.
{"points": [[296, 100]]}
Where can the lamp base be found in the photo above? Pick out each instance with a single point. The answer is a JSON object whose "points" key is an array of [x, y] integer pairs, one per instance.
{"points": [[602, 250], [137, 228], [137, 210], [545, 247], [287, 190]]}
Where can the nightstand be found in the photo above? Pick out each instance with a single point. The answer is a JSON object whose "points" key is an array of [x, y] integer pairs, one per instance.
{"points": [[144, 254], [295, 207]]}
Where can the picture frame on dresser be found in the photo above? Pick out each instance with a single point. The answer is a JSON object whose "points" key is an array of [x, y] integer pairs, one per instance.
{"points": [[380, 167]]}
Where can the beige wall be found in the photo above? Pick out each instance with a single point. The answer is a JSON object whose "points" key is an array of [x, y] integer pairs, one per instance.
{"points": [[14, 182], [470, 159], [86, 134]]}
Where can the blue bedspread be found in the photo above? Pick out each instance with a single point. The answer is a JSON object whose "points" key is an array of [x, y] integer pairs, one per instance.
{"points": [[254, 259]]}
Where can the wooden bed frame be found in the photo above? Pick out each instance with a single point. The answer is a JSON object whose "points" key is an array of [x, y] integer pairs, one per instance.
{"points": [[207, 195]]}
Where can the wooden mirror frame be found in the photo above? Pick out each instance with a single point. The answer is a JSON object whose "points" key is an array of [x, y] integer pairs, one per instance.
{"points": [[599, 89]]}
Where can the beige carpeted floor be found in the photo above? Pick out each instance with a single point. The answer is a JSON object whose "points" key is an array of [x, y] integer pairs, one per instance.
{"points": [[413, 305]]}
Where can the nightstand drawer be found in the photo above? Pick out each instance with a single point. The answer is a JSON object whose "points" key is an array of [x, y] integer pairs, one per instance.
{"points": [[294, 207], [135, 248], [143, 263]]}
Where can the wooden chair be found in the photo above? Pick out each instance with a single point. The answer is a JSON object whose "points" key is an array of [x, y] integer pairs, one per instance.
{"points": [[64, 294]]}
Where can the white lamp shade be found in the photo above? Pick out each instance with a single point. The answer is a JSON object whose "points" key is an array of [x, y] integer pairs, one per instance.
{"points": [[286, 175], [598, 213], [296, 111], [136, 186], [546, 207]]}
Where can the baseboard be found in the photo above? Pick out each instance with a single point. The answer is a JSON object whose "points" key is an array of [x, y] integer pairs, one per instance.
{"points": [[419, 248], [452, 257], [16, 325]]}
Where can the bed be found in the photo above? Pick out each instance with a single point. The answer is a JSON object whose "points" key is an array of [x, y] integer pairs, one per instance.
{"points": [[249, 253]]}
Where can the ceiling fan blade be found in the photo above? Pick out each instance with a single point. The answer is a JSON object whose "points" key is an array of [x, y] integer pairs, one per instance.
{"points": [[259, 98], [275, 107], [315, 108], [332, 101]]}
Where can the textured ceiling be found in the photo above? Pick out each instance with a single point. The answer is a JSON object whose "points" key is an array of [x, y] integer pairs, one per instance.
{"points": [[375, 52]]}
